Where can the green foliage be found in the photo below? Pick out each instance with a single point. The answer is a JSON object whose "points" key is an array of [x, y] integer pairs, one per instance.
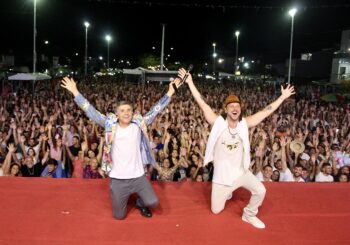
{"points": [[147, 60], [345, 85]]}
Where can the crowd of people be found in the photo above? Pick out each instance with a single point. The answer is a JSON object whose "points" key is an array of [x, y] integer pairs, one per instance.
{"points": [[48, 135]]}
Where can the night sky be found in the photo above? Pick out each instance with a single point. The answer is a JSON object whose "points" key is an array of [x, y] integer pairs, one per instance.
{"points": [[136, 27]]}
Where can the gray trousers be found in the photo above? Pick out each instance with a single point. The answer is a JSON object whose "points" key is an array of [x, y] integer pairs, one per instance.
{"points": [[121, 189]]}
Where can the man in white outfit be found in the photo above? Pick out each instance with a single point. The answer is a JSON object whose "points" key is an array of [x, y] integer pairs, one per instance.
{"points": [[229, 148]]}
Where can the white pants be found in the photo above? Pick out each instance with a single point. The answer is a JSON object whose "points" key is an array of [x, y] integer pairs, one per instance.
{"points": [[248, 181]]}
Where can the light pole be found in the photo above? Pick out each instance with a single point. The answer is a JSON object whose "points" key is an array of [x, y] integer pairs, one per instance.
{"points": [[214, 57], [291, 13], [108, 39], [236, 63], [162, 49], [86, 24], [34, 39]]}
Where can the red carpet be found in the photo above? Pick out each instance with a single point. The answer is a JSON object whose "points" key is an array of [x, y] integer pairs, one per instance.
{"points": [[69, 211]]}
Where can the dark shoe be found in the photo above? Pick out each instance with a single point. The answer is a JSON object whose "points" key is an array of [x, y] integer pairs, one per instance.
{"points": [[145, 212]]}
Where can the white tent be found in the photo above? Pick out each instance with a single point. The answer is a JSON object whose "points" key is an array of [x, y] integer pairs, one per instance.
{"points": [[29, 77], [149, 75], [136, 71]]}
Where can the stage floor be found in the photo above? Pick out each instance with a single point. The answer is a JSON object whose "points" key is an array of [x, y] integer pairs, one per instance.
{"points": [[70, 211]]}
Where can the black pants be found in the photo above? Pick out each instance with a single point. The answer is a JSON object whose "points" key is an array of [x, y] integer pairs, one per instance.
{"points": [[121, 189]]}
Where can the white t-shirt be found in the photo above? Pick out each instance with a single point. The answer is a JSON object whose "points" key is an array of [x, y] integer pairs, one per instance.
{"points": [[324, 178], [126, 153], [286, 176], [228, 158], [260, 177], [299, 180]]}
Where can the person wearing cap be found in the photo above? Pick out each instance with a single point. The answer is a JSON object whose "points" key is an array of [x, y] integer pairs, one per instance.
{"points": [[229, 148]]}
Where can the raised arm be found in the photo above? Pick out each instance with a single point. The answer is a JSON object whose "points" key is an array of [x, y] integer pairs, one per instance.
{"points": [[162, 103], [14, 133], [166, 143], [157, 167], [90, 111], [209, 114], [23, 148], [7, 163], [100, 149], [69, 153], [283, 154], [258, 117], [314, 168]]}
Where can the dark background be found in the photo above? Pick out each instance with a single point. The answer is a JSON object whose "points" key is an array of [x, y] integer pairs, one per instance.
{"points": [[192, 26]]}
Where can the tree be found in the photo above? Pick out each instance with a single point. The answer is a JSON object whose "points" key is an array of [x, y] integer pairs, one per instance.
{"points": [[345, 85], [147, 60]]}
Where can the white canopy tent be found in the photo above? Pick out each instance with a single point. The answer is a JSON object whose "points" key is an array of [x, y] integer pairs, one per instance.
{"points": [[149, 75], [29, 77]]}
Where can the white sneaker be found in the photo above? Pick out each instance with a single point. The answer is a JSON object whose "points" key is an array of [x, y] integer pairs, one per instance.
{"points": [[229, 197], [254, 221]]}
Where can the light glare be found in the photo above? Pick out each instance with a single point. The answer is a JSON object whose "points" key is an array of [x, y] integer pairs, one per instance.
{"points": [[292, 12]]}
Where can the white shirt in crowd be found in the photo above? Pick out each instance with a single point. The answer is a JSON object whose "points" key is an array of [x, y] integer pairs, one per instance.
{"points": [[260, 177], [126, 153], [286, 176], [228, 156], [300, 179], [321, 177]]}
